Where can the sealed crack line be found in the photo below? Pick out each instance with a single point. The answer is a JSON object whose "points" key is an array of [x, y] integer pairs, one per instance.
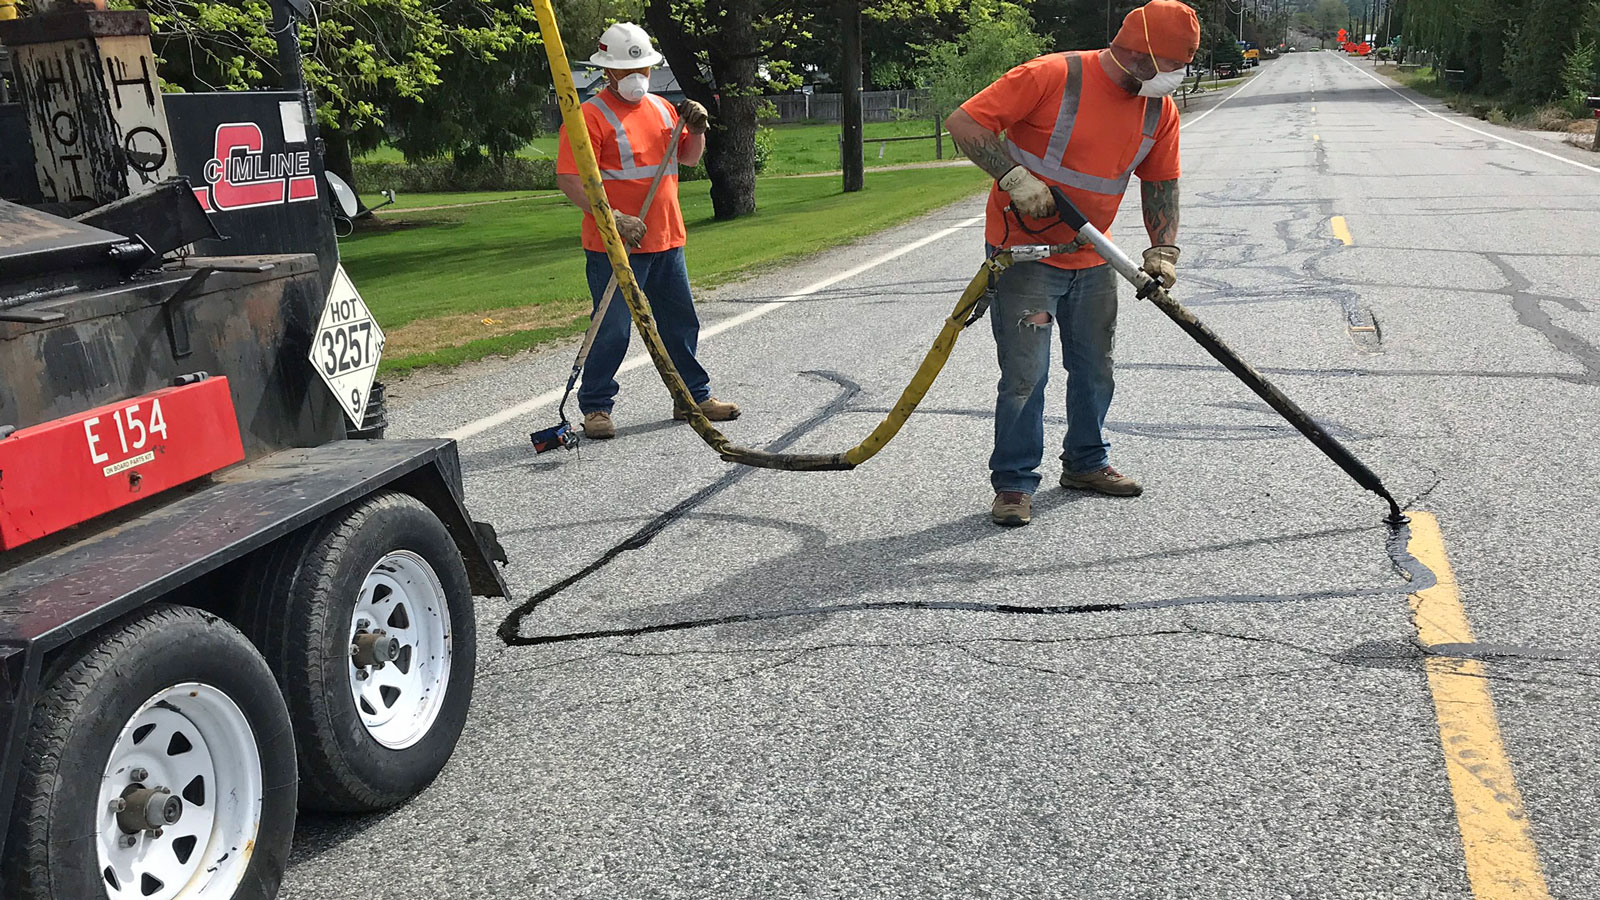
{"points": [[510, 629], [1416, 576]]}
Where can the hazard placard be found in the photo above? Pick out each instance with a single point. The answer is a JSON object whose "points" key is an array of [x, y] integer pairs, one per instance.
{"points": [[347, 347]]}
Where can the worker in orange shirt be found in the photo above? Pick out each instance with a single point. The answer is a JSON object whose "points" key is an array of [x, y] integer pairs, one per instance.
{"points": [[1083, 121], [630, 129]]}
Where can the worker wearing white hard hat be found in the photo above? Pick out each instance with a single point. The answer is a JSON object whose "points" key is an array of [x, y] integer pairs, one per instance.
{"points": [[630, 129]]}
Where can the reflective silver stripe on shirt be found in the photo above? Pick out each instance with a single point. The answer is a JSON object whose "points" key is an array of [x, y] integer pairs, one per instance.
{"points": [[624, 148], [631, 170], [636, 172], [1152, 120], [664, 108], [1052, 165]]}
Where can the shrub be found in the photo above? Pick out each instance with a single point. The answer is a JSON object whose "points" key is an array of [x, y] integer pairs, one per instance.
{"points": [[513, 174], [1498, 116], [1577, 79], [766, 143], [1548, 118], [436, 176]]}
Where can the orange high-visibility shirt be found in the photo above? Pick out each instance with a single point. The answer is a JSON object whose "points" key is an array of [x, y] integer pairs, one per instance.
{"points": [[1073, 127], [630, 140]]}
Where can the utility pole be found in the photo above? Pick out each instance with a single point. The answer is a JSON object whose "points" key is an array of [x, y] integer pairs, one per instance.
{"points": [[1108, 23], [850, 130], [286, 32]]}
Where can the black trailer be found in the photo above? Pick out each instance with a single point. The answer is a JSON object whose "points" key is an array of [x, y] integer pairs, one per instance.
{"points": [[219, 600]]}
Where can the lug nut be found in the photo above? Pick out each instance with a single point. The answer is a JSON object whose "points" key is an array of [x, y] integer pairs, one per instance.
{"points": [[118, 805], [138, 775], [128, 840]]}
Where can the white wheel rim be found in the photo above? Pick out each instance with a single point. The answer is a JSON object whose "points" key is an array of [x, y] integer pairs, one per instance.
{"points": [[403, 599], [193, 741]]}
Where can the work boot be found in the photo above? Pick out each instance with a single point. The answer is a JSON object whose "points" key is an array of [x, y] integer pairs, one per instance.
{"points": [[1106, 481], [711, 408], [597, 426], [1011, 508]]}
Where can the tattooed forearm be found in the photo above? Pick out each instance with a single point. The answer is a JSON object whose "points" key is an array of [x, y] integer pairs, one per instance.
{"points": [[988, 151], [1160, 202]]}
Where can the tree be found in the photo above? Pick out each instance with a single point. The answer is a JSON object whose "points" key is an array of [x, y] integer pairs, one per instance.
{"points": [[1080, 24], [364, 60], [1539, 47], [998, 35], [489, 97], [1327, 17], [727, 53]]}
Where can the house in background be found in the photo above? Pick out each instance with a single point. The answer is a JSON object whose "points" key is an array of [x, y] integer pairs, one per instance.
{"points": [[663, 83]]}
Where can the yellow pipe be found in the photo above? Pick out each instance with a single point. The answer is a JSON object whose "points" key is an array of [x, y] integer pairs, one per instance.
{"points": [[639, 306], [932, 364]]}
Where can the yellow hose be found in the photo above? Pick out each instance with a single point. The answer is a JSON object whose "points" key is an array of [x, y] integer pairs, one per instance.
{"points": [[639, 306]]}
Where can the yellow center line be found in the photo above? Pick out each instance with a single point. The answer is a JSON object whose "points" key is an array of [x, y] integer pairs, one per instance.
{"points": [[1502, 861], [1342, 231]]}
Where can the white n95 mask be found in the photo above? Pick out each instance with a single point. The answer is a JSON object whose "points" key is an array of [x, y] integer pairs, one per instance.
{"points": [[1162, 84], [634, 87]]}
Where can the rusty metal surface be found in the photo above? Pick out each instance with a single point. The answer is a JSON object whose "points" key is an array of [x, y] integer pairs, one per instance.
{"points": [[68, 23], [111, 344], [39, 252], [17, 181], [88, 85], [166, 216], [48, 599], [69, 592]]}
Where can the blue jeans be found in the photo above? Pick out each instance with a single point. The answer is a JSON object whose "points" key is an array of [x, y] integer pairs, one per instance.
{"points": [[665, 280], [1084, 303]]}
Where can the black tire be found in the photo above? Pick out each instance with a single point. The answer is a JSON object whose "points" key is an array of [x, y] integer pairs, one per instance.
{"points": [[93, 690], [305, 591]]}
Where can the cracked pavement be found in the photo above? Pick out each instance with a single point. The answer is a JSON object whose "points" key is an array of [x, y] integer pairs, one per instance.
{"points": [[740, 683]]}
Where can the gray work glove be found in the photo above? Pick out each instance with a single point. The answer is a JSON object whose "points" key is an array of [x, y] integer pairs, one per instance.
{"points": [[1161, 261], [1028, 194], [695, 118], [632, 229]]}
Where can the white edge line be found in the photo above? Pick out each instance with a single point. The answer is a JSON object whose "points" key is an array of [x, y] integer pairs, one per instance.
{"points": [[1236, 92], [472, 429], [1459, 124]]}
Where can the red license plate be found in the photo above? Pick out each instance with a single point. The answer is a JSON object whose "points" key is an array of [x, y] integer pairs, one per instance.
{"points": [[67, 471]]}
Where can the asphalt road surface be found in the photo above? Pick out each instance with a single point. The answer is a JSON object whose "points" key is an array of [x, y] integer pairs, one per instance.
{"points": [[1227, 694]]}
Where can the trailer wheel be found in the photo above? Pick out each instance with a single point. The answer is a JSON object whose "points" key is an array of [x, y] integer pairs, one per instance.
{"points": [[159, 766], [367, 621]]}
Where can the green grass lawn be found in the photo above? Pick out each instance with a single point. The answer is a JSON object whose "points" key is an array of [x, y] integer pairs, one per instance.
{"points": [[535, 149], [457, 284], [799, 148], [412, 201], [1499, 109]]}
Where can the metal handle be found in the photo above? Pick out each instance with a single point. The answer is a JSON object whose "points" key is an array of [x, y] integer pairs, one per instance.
{"points": [[1150, 288]]}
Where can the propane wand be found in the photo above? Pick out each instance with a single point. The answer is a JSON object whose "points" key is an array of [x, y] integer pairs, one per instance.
{"points": [[1149, 288]]}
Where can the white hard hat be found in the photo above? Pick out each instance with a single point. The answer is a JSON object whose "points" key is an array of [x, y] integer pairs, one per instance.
{"points": [[625, 46]]}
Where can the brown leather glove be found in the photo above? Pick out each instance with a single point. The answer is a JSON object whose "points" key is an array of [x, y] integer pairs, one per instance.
{"points": [[632, 229], [695, 118], [1161, 261]]}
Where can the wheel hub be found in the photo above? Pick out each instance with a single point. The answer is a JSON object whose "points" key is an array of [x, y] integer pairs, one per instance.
{"points": [[400, 650], [372, 649], [181, 798], [147, 809]]}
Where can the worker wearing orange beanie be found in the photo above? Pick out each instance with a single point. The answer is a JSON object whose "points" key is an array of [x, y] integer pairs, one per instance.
{"points": [[1084, 122]]}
